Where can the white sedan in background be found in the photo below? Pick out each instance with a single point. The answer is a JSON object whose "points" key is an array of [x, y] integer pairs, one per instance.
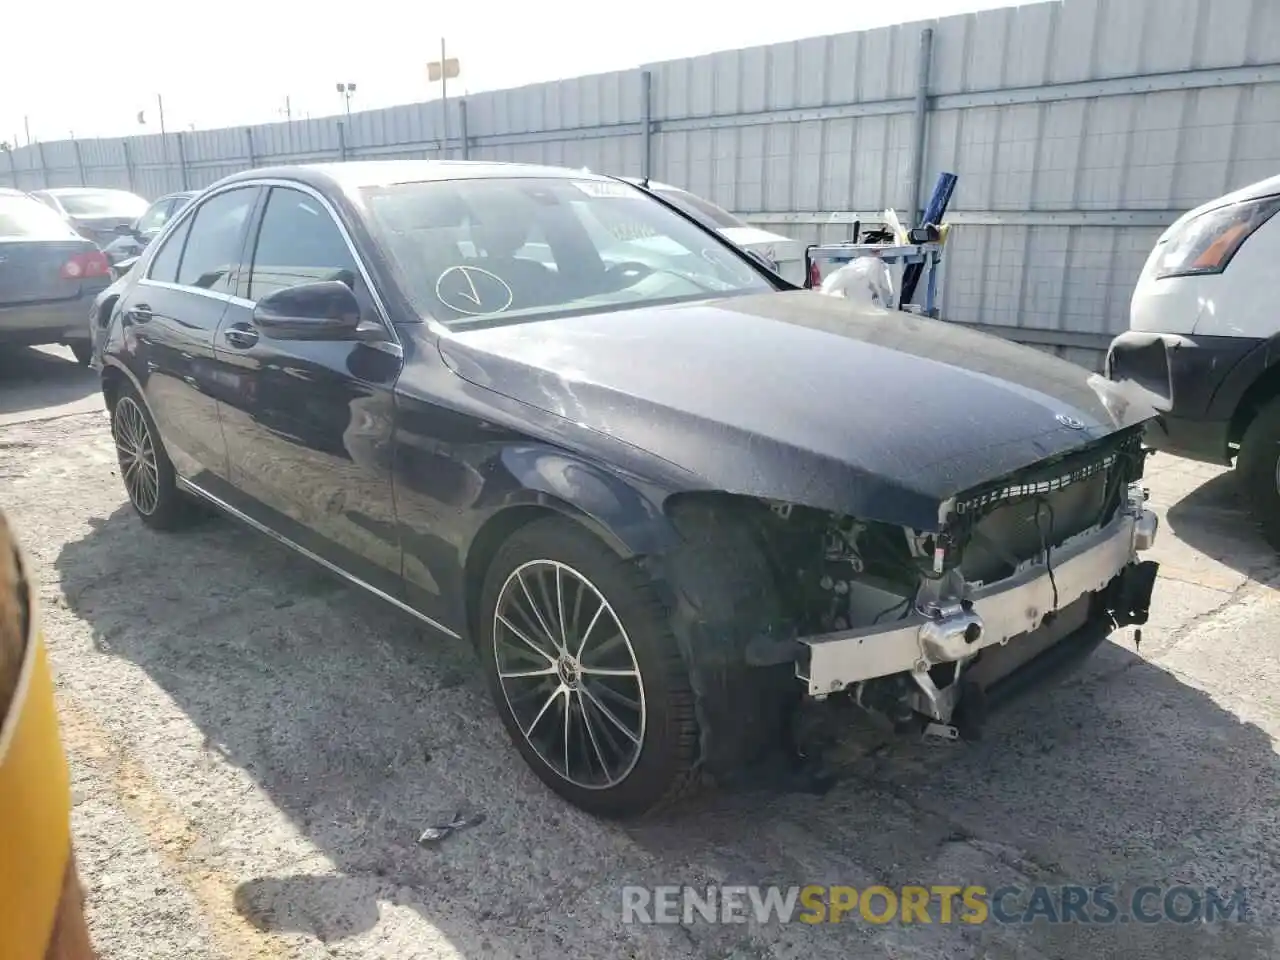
{"points": [[785, 255]]}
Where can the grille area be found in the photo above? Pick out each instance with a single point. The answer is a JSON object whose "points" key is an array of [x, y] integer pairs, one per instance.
{"points": [[1006, 523]]}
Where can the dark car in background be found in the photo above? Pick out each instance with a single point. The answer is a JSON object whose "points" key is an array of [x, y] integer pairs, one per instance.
{"points": [[693, 518], [96, 213], [49, 275], [133, 238]]}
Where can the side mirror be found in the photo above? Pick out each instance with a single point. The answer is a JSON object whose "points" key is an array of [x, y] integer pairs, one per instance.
{"points": [[120, 268], [125, 230], [323, 310]]}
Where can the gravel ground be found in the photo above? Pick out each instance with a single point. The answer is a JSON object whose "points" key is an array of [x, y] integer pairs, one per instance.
{"points": [[256, 747]]}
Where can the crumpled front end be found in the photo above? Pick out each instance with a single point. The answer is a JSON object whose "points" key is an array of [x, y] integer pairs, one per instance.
{"points": [[1024, 575]]}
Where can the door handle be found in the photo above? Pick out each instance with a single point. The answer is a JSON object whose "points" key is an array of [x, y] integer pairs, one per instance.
{"points": [[240, 335], [140, 313]]}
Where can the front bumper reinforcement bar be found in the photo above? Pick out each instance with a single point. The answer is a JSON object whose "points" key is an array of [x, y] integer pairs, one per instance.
{"points": [[982, 614]]}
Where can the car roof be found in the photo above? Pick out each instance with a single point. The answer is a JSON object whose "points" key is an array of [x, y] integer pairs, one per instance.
{"points": [[356, 174], [70, 191]]}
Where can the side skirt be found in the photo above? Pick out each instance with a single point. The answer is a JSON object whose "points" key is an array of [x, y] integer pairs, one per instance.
{"points": [[226, 508]]}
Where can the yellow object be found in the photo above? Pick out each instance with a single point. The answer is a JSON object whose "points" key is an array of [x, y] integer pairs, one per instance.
{"points": [[35, 806]]}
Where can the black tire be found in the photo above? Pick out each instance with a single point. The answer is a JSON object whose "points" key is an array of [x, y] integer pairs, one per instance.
{"points": [[168, 508], [665, 769], [83, 351], [1259, 469]]}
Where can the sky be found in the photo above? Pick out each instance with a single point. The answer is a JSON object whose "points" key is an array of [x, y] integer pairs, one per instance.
{"points": [[236, 62]]}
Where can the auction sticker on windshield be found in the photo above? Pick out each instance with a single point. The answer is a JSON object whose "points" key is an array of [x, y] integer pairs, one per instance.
{"points": [[604, 189]]}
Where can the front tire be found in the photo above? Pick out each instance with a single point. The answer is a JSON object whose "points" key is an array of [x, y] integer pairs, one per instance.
{"points": [[585, 672], [1259, 468], [149, 478]]}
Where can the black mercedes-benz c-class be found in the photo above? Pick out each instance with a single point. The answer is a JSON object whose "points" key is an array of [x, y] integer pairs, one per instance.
{"points": [[693, 518]]}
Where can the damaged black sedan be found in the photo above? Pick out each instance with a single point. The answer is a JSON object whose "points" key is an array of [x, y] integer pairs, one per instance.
{"points": [[691, 517]]}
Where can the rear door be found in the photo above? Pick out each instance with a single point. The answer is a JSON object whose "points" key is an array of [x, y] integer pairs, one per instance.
{"points": [[309, 422], [173, 313]]}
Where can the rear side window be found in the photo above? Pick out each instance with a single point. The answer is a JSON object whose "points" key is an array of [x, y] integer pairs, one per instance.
{"points": [[21, 217], [215, 240], [298, 242], [155, 217], [164, 265]]}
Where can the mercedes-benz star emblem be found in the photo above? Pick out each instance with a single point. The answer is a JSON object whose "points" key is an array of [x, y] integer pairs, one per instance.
{"points": [[1071, 423], [473, 291]]}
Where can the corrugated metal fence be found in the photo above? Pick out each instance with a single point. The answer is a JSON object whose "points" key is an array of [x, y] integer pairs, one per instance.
{"points": [[1078, 128]]}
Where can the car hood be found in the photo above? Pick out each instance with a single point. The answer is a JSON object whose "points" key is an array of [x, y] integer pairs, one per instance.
{"points": [[803, 397]]}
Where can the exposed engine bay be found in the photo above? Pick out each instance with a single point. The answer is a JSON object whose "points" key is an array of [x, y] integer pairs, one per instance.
{"points": [[918, 627]]}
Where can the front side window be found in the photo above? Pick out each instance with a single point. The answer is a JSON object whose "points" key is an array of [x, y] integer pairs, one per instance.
{"points": [[211, 258], [477, 250], [298, 242]]}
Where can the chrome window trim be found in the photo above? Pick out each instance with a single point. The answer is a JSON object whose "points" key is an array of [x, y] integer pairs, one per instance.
{"points": [[211, 294]]}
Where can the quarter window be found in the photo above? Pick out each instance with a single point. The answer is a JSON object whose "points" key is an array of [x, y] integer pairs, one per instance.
{"points": [[298, 242], [212, 256]]}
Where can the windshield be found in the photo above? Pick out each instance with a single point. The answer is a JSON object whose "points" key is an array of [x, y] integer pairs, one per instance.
{"points": [[695, 206], [28, 219], [476, 250], [102, 203]]}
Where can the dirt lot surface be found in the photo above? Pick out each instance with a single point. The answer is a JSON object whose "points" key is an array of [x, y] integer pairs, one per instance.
{"points": [[256, 747]]}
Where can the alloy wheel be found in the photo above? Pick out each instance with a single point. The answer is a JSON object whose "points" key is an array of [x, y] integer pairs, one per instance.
{"points": [[137, 453], [569, 674]]}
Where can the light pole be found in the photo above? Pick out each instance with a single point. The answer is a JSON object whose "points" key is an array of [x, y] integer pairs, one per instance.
{"points": [[444, 70], [346, 91]]}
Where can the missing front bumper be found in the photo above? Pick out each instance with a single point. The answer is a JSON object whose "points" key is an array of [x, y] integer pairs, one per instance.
{"points": [[1097, 569]]}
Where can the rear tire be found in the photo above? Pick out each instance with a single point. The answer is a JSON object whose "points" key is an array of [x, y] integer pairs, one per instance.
{"points": [[623, 760], [149, 478], [83, 351], [1259, 469]]}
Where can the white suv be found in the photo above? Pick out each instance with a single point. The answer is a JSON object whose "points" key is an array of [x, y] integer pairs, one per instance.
{"points": [[1204, 332]]}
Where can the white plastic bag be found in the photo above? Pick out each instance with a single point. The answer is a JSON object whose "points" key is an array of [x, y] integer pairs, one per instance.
{"points": [[864, 280]]}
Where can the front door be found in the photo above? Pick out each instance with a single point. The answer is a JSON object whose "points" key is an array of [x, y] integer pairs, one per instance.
{"points": [[173, 314], [309, 424]]}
